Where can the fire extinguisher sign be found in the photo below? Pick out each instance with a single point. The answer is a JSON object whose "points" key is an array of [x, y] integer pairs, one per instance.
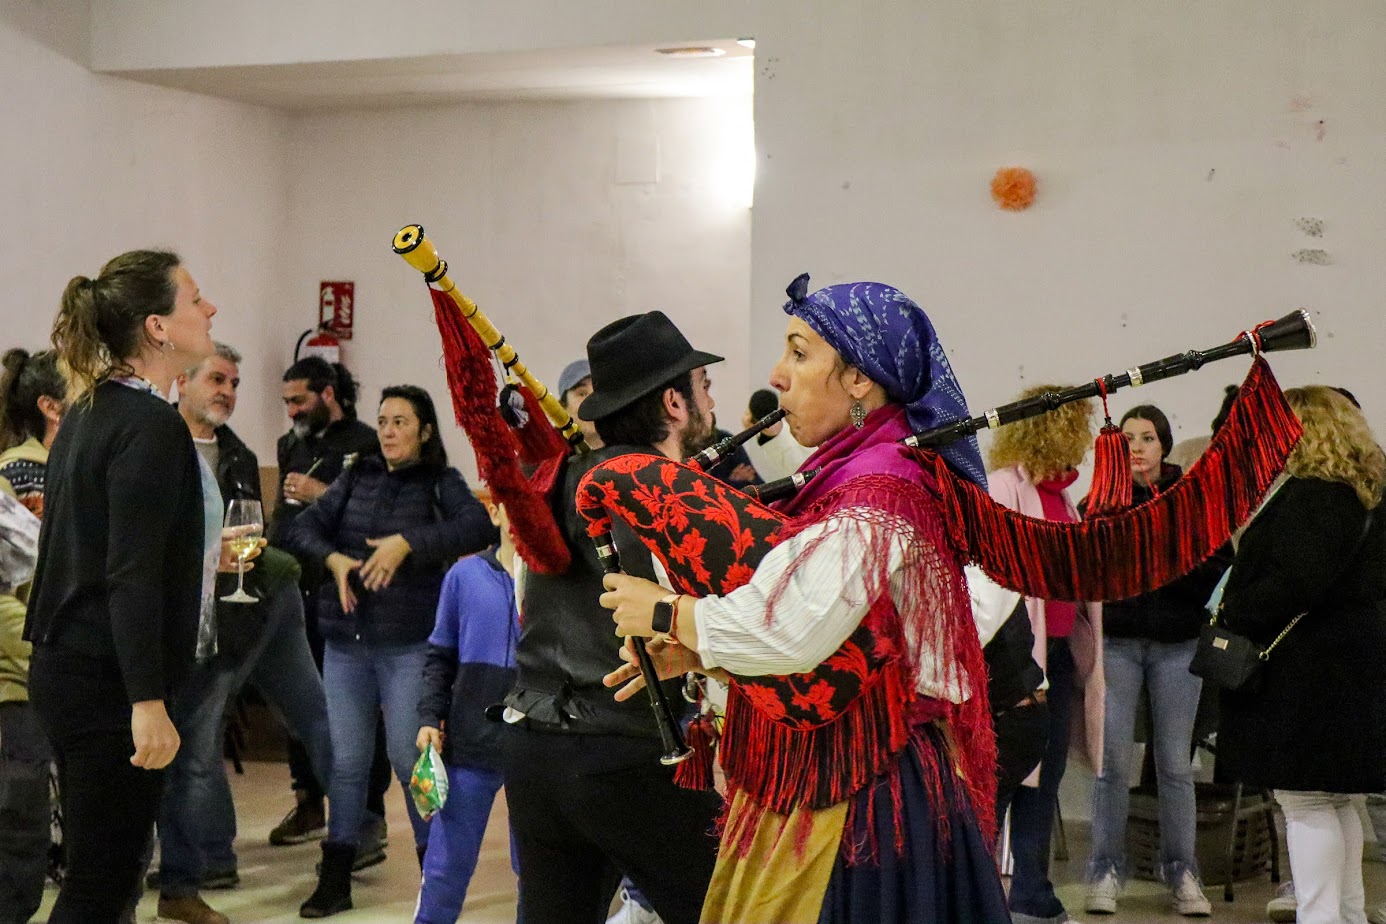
{"points": [[337, 307]]}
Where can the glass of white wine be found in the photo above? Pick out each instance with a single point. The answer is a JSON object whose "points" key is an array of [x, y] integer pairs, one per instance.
{"points": [[246, 522]]}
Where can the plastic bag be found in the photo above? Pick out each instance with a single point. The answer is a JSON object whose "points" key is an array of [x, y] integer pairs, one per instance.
{"points": [[429, 783]]}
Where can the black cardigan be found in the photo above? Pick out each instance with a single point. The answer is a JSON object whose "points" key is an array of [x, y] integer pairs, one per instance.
{"points": [[120, 555], [1317, 721], [1174, 612]]}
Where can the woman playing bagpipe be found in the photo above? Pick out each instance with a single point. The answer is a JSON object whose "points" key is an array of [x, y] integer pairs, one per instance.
{"points": [[857, 745]]}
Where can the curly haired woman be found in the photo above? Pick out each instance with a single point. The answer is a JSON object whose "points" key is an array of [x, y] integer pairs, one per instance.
{"points": [[1313, 561], [1033, 462]]}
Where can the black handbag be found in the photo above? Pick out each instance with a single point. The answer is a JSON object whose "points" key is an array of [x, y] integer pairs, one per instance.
{"points": [[1232, 661], [1229, 660]]}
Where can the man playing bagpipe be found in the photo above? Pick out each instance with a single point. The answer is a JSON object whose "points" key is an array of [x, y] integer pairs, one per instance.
{"points": [[588, 797]]}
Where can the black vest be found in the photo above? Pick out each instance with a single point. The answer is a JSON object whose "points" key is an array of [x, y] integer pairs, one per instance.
{"points": [[567, 639]]}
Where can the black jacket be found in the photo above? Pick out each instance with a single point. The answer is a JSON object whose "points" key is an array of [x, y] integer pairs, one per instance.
{"points": [[340, 443], [1012, 672], [1176, 611], [240, 627], [732, 461], [238, 468], [435, 512], [120, 554], [1317, 719]]}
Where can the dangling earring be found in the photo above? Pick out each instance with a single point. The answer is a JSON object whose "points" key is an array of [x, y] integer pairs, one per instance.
{"points": [[858, 415]]}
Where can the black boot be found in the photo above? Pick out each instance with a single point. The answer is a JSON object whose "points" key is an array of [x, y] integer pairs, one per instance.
{"points": [[333, 894]]}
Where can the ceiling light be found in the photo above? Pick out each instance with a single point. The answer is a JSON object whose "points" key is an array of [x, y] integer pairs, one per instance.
{"points": [[692, 51], [747, 43]]}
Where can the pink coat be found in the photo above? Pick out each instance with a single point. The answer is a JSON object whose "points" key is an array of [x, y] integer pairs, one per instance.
{"points": [[1013, 488]]}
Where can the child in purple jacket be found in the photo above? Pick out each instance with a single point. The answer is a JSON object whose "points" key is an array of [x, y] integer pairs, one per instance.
{"points": [[470, 666]]}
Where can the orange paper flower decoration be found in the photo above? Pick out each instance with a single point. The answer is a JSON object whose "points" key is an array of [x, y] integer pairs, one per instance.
{"points": [[1013, 188]]}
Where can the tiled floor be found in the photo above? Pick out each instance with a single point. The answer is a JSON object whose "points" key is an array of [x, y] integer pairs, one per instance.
{"points": [[274, 880]]}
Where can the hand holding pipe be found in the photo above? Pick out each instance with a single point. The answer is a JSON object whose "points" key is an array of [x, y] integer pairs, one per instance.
{"points": [[675, 750]]}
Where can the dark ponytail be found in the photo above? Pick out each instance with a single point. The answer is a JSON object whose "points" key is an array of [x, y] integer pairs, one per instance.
{"points": [[345, 390], [26, 379], [100, 324]]}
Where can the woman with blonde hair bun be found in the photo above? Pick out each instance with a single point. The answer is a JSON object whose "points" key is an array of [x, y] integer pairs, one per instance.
{"points": [[1033, 462], [1311, 566]]}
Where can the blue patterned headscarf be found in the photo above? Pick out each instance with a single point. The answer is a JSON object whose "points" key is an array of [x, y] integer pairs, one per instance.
{"points": [[881, 331]]}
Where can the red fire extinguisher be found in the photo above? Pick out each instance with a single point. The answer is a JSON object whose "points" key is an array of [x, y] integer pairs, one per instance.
{"points": [[321, 342]]}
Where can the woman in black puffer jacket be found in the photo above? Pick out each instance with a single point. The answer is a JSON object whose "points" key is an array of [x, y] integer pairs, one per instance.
{"points": [[387, 529]]}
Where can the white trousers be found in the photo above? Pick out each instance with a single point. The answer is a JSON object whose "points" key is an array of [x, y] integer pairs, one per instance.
{"points": [[1324, 834]]}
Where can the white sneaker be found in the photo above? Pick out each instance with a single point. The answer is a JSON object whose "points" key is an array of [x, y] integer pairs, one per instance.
{"points": [[632, 912], [1102, 894], [1283, 907], [1188, 899]]}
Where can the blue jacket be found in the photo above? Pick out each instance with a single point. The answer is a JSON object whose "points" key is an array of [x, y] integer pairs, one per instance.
{"points": [[437, 515], [471, 660]]}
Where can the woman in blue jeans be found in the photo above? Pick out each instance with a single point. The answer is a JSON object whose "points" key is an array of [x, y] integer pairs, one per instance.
{"points": [[1148, 644], [387, 529]]}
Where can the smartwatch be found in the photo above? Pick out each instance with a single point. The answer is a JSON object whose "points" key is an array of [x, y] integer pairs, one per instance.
{"points": [[663, 620]]}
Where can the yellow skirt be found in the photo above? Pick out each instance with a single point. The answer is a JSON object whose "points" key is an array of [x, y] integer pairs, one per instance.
{"points": [[775, 882]]}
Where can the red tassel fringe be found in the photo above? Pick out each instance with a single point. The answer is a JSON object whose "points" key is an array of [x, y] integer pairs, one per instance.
{"points": [[1129, 553], [702, 736], [782, 768], [1111, 476], [472, 382]]}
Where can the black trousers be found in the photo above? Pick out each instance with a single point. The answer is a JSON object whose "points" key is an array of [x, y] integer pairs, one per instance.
{"points": [[109, 806], [1021, 736], [585, 809], [24, 812], [301, 768]]}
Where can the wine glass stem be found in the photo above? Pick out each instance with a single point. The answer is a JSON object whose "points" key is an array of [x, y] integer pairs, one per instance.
{"points": [[240, 576]]}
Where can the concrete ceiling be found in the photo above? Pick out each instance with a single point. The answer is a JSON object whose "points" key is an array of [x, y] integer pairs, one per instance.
{"points": [[568, 73]]}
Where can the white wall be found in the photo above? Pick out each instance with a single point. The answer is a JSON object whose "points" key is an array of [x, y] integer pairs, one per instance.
{"points": [[555, 217], [92, 166], [1175, 145], [153, 34]]}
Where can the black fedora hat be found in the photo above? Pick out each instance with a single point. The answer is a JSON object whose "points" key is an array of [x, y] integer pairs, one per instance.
{"points": [[634, 356]]}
